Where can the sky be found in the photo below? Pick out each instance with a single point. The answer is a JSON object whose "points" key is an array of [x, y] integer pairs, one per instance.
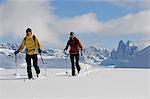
{"points": [[100, 23]]}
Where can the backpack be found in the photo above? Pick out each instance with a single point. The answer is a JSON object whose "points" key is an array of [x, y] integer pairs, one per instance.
{"points": [[73, 42]]}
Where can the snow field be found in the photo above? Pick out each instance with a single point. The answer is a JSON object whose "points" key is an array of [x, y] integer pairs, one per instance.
{"points": [[100, 83]]}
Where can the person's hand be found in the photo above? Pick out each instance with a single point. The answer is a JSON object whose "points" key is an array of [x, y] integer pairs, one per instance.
{"points": [[65, 51], [16, 52], [81, 53], [39, 50], [83, 50]]}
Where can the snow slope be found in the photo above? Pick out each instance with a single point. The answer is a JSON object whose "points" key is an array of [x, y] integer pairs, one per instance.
{"points": [[140, 59], [99, 83], [7, 60]]}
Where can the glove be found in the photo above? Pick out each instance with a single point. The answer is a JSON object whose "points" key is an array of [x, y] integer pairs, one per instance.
{"points": [[16, 52], [39, 50], [65, 51]]}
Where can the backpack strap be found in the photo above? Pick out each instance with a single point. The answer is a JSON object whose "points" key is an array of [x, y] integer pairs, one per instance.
{"points": [[25, 40], [33, 39]]}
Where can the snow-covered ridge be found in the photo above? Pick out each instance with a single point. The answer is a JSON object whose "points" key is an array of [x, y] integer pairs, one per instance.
{"points": [[123, 51], [11, 46], [54, 58], [126, 55], [140, 59], [96, 55]]}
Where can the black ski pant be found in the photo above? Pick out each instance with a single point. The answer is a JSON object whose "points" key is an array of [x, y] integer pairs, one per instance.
{"points": [[72, 58], [35, 64]]}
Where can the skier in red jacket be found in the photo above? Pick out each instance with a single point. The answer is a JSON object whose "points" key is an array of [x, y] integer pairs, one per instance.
{"points": [[75, 46]]}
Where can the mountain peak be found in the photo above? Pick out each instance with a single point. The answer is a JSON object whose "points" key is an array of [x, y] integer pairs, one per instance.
{"points": [[122, 53], [121, 41], [129, 43]]}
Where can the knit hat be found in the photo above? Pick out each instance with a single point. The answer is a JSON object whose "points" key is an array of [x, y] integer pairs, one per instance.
{"points": [[28, 30], [72, 33]]}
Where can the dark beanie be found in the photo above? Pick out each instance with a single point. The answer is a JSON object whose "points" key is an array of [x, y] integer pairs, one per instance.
{"points": [[71, 33], [28, 30]]}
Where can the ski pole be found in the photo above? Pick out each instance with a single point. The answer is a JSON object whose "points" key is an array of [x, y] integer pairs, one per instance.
{"points": [[43, 63], [66, 63], [16, 63]]}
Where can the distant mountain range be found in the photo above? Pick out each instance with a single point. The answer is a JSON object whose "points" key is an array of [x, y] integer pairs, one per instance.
{"points": [[11, 46], [91, 55], [126, 56]]}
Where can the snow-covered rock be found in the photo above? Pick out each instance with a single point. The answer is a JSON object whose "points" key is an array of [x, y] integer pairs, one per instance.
{"points": [[130, 49], [140, 59], [96, 55], [123, 52], [7, 59], [11, 46]]}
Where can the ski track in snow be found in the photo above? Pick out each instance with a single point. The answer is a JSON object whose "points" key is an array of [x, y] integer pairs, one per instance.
{"points": [[23, 75]]}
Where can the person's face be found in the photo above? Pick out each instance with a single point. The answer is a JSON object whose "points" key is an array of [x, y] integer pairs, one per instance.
{"points": [[72, 36], [28, 34]]}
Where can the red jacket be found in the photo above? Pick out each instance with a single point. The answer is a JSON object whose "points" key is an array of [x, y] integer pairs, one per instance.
{"points": [[74, 45]]}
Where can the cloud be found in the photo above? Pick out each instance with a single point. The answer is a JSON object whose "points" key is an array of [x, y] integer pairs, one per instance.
{"points": [[143, 43], [86, 23], [130, 24], [16, 16], [129, 4]]}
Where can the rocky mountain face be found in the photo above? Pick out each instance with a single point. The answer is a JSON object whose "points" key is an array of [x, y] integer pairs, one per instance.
{"points": [[123, 51]]}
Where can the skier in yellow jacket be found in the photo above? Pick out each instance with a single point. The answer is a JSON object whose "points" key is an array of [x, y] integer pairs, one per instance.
{"points": [[32, 49]]}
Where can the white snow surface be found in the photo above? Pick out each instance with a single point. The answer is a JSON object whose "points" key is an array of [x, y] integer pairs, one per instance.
{"points": [[92, 83]]}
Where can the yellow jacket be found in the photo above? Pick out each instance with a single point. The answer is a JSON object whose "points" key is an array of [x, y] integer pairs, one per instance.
{"points": [[32, 45]]}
